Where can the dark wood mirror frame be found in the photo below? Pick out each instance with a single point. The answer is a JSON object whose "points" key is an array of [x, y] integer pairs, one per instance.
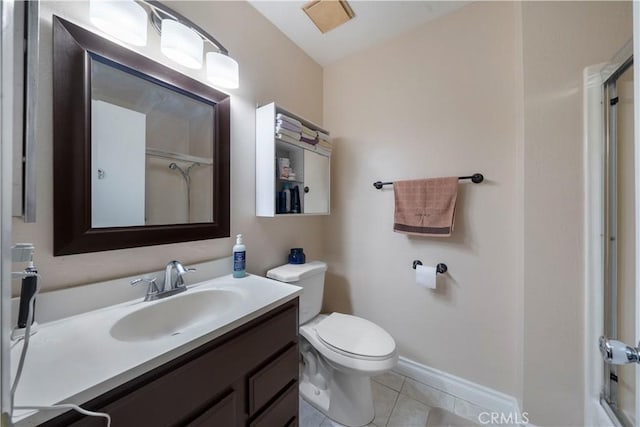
{"points": [[72, 231]]}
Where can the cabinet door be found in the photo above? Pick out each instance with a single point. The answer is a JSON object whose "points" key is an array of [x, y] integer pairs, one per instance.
{"points": [[222, 413], [317, 182]]}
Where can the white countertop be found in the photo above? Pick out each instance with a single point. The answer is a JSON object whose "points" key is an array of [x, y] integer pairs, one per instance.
{"points": [[74, 359]]}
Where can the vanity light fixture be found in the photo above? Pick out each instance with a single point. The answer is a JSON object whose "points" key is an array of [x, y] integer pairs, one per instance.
{"points": [[125, 20], [222, 70], [180, 39], [181, 44]]}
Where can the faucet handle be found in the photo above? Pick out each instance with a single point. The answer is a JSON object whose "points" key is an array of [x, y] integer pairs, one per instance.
{"points": [[149, 280], [153, 286], [181, 272]]}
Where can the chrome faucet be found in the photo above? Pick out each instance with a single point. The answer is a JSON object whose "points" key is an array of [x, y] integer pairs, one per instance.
{"points": [[173, 284], [176, 284]]}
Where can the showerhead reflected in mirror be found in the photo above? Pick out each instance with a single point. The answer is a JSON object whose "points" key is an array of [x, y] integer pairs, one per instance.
{"points": [[193, 212]]}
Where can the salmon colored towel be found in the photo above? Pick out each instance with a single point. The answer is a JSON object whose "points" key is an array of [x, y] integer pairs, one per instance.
{"points": [[425, 207]]}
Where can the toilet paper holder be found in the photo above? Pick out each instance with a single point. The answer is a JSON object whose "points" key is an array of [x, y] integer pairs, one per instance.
{"points": [[440, 268]]}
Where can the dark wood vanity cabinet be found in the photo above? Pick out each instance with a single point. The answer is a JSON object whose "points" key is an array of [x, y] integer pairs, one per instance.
{"points": [[246, 377]]}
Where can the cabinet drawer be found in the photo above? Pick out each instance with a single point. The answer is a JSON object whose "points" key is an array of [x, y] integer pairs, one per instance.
{"points": [[268, 381], [282, 412]]}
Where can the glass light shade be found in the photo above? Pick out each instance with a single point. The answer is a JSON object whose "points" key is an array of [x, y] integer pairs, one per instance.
{"points": [[125, 20], [181, 44], [222, 70]]}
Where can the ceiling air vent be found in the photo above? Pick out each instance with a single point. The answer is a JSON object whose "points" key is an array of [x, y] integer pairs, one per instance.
{"points": [[328, 14]]}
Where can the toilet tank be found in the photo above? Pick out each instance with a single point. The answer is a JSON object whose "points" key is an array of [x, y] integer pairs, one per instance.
{"points": [[309, 276]]}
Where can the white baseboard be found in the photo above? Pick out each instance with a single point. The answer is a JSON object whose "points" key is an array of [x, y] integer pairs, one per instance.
{"points": [[477, 394]]}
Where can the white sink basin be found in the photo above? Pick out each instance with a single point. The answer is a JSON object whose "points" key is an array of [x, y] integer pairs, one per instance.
{"points": [[131, 337], [167, 317]]}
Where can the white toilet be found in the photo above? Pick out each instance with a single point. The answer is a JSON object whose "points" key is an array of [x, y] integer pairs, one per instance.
{"points": [[340, 352]]}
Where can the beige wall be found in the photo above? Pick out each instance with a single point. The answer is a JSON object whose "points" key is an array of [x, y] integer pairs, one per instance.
{"points": [[441, 100], [494, 88], [559, 39], [272, 68]]}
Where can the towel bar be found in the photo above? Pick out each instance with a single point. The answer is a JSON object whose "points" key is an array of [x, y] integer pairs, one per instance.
{"points": [[476, 178], [440, 268]]}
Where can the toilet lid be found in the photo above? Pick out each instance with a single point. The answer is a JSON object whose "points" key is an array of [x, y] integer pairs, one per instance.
{"points": [[355, 335]]}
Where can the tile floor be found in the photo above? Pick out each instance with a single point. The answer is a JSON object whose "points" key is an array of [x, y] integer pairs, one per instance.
{"points": [[403, 402]]}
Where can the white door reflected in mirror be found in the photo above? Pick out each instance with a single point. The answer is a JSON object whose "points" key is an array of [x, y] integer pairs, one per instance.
{"points": [[117, 181]]}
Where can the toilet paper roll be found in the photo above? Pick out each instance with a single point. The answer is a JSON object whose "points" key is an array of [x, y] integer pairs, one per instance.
{"points": [[426, 276]]}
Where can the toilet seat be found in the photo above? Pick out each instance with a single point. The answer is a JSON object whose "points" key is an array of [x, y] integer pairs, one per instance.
{"points": [[343, 360], [354, 336]]}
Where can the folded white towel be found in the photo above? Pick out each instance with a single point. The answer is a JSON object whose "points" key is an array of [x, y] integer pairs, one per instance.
{"points": [[287, 138], [283, 131], [323, 135], [310, 132], [281, 116], [287, 125], [325, 144]]}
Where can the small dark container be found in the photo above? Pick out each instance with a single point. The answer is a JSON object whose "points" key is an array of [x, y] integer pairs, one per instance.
{"points": [[295, 200], [297, 256], [282, 202]]}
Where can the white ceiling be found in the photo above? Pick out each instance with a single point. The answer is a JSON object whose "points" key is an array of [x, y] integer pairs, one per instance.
{"points": [[374, 22]]}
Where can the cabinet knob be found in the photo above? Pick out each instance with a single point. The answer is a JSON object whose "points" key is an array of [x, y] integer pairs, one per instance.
{"points": [[306, 189]]}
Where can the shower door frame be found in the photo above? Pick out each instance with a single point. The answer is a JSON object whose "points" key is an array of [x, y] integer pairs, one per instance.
{"points": [[594, 77], [611, 74]]}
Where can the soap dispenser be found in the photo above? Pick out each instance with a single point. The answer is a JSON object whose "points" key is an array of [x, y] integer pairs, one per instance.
{"points": [[239, 258]]}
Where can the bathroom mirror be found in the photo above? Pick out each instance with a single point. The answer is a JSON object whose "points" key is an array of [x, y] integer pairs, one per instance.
{"points": [[141, 152]]}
